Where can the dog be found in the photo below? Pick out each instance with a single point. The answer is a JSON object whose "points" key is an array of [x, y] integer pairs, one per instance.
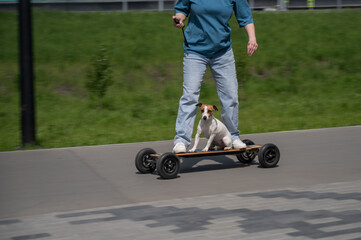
{"points": [[213, 129]]}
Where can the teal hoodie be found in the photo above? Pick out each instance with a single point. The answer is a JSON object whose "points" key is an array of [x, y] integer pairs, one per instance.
{"points": [[208, 33]]}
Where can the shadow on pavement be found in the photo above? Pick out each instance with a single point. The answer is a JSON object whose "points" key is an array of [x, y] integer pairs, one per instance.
{"points": [[190, 165]]}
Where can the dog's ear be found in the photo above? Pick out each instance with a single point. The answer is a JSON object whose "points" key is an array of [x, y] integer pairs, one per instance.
{"points": [[215, 108], [199, 104]]}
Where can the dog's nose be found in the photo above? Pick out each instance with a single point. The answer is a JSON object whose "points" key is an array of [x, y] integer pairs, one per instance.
{"points": [[204, 117]]}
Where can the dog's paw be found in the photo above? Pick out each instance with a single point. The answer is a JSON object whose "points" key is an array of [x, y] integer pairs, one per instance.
{"points": [[227, 148], [192, 150], [205, 150]]}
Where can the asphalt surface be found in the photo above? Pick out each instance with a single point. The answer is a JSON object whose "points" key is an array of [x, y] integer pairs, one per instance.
{"points": [[43, 181], [58, 193]]}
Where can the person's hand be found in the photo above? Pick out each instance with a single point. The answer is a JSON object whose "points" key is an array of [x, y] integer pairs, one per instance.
{"points": [[252, 47], [180, 17]]}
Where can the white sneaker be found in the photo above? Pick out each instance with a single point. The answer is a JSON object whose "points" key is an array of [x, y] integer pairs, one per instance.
{"points": [[237, 144], [179, 148]]}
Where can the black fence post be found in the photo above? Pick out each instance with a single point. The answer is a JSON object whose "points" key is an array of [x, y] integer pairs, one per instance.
{"points": [[26, 73]]}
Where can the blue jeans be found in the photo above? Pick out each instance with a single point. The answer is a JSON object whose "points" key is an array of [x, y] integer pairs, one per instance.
{"points": [[224, 73]]}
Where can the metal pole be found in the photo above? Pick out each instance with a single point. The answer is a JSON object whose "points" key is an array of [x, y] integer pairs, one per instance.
{"points": [[251, 4], [339, 4], [26, 73], [281, 5], [160, 5], [125, 5]]}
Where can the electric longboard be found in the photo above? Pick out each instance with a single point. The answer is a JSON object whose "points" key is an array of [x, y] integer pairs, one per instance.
{"points": [[168, 164]]}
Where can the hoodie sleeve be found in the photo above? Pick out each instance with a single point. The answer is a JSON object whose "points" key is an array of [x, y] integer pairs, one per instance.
{"points": [[182, 6], [243, 12]]}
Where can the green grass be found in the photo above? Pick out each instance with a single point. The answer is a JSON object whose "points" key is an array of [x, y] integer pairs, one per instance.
{"points": [[306, 74]]}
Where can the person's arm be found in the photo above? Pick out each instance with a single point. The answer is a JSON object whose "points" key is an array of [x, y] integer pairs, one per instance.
{"points": [[181, 9], [252, 42], [244, 18]]}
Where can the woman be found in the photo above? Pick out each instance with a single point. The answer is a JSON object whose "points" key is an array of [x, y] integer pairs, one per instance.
{"points": [[208, 43]]}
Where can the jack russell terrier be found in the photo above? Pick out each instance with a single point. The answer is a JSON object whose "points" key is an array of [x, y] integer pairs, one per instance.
{"points": [[213, 129]]}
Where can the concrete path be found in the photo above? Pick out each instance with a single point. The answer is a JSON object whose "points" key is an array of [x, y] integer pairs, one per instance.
{"points": [[96, 192], [325, 211]]}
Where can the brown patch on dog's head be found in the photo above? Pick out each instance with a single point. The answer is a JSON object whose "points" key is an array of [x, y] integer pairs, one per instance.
{"points": [[207, 110]]}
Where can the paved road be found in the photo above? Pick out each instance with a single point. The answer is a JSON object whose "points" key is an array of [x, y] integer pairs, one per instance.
{"points": [[59, 193]]}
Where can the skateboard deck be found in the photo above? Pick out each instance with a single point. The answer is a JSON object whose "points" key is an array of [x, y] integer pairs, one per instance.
{"points": [[212, 152]]}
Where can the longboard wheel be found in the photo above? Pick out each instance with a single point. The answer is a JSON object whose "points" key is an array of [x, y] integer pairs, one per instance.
{"points": [[248, 156], [168, 166], [269, 155], [143, 161]]}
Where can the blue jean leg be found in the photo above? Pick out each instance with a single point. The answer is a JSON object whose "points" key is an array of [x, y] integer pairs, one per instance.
{"points": [[224, 73], [194, 68]]}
